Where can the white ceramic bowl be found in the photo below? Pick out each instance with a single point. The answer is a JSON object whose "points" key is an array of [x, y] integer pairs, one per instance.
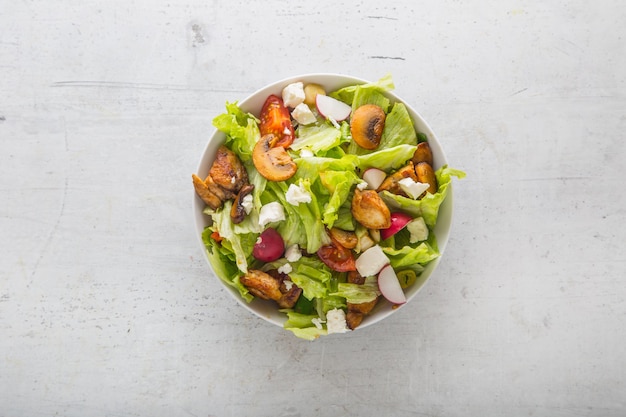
{"points": [[268, 310]]}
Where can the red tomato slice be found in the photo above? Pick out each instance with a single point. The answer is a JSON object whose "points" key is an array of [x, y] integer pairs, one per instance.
{"points": [[336, 257], [275, 119]]}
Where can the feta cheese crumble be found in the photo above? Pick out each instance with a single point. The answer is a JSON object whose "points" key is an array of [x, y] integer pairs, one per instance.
{"points": [[248, 203], [412, 188], [418, 230], [285, 269], [336, 321], [317, 322], [371, 261], [306, 153], [271, 212], [293, 94], [296, 194], [293, 254], [303, 114]]}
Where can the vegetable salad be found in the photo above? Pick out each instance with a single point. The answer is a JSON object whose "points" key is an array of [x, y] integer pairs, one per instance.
{"points": [[301, 191]]}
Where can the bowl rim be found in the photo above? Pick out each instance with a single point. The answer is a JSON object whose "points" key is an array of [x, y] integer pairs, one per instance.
{"points": [[267, 310]]}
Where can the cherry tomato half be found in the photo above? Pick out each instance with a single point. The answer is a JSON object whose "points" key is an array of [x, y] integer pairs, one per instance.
{"points": [[336, 257], [275, 119]]}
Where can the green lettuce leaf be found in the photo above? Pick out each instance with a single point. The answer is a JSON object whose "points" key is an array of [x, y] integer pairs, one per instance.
{"points": [[358, 293], [348, 93], [387, 159], [317, 137], [221, 259], [398, 129], [339, 184], [242, 130]]}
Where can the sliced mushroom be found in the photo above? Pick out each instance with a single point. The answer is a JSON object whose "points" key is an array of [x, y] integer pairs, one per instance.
{"points": [[366, 125], [370, 210], [238, 211], [391, 182], [426, 174], [345, 238], [423, 154], [273, 163]]}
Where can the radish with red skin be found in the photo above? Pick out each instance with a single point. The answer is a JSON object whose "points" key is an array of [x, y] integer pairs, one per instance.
{"points": [[398, 221], [332, 108], [389, 286], [269, 246], [374, 177]]}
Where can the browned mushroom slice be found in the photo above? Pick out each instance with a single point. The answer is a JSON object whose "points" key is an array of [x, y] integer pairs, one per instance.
{"points": [[238, 211], [205, 194], [273, 163], [391, 183], [367, 125], [370, 210], [423, 154], [345, 238], [426, 174], [227, 170]]}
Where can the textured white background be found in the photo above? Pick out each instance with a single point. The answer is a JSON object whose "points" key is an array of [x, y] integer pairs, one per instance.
{"points": [[108, 308]]}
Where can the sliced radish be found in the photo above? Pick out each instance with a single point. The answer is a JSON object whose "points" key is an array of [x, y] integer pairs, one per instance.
{"points": [[371, 261], [389, 286], [331, 108], [374, 177], [398, 221], [269, 246]]}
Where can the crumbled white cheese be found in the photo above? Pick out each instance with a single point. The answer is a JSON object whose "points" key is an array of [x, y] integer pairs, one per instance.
{"points": [[248, 203], [293, 94], [306, 153], [271, 212], [286, 131], [317, 322], [293, 253], [362, 185], [418, 230], [303, 114], [412, 188], [296, 194], [336, 321], [288, 284], [371, 261], [285, 269]]}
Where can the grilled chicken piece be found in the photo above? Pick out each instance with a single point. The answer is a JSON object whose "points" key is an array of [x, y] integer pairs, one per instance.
{"points": [[356, 312], [227, 177], [370, 210], [271, 286], [205, 194], [227, 171]]}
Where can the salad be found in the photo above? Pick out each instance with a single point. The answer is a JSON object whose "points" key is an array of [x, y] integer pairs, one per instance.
{"points": [[324, 203]]}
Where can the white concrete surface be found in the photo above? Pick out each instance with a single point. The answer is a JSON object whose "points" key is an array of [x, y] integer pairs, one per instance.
{"points": [[107, 307]]}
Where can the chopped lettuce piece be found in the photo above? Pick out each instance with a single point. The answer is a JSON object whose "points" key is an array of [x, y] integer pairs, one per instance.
{"points": [[242, 130], [359, 293]]}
